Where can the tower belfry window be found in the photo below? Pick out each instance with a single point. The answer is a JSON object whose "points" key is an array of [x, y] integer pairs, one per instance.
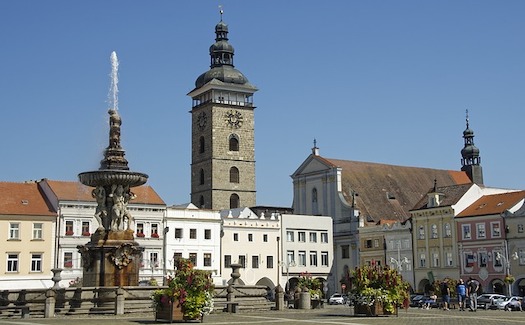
{"points": [[234, 175], [201, 145], [234, 201], [201, 178], [234, 143]]}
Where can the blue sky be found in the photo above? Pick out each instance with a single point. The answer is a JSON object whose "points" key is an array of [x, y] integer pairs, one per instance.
{"points": [[377, 81]]}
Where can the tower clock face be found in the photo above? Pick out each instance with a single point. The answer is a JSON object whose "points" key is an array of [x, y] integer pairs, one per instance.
{"points": [[201, 120], [234, 119]]}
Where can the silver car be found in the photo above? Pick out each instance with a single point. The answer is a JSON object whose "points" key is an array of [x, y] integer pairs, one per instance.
{"points": [[336, 299]]}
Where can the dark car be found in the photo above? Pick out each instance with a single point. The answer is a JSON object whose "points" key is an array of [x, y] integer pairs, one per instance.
{"points": [[488, 300], [418, 300]]}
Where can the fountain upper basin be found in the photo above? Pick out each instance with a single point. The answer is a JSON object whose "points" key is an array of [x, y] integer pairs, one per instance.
{"points": [[111, 176]]}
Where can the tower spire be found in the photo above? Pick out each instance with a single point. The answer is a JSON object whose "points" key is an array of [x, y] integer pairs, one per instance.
{"points": [[471, 161]]}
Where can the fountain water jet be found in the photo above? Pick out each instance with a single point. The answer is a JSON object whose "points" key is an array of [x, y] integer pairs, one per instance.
{"points": [[112, 257]]}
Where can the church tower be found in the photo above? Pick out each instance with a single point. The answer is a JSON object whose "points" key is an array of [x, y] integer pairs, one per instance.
{"points": [[471, 161], [223, 144]]}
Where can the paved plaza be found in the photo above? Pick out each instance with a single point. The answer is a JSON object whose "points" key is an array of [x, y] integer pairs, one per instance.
{"points": [[328, 315]]}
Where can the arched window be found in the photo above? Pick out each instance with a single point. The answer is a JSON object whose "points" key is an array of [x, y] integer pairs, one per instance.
{"points": [[448, 230], [234, 175], [434, 229], [201, 202], [234, 143], [201, 145], [234, 201], [314, 202], [421, 232], [201, 180]]}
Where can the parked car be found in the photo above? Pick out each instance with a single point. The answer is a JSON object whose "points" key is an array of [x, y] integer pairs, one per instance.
{"points": [[510, 303], [488, 300], [337, 299]]}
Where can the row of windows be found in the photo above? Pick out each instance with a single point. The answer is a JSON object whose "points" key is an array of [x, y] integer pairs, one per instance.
{"points": [[13, 262], [234, 201], [179, 233], [193, 257], [15, 228], [435, 261], [495, 231], [233, 143], [447, 231], [301, 236], [234, 176], [256, 262], [301, 258], [250, 237]]}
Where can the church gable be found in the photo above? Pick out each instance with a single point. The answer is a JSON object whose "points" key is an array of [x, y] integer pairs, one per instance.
{"points": [[312, 164]]}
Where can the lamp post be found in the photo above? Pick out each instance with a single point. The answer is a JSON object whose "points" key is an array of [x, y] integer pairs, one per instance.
{"points": [[164, 257], [287, 265], [506, 261], [399, 261]]}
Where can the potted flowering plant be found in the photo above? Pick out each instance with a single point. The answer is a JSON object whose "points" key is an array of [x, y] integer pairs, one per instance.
{"points": [[509, 279], [188, 296], [313, 286], [378, 290]]}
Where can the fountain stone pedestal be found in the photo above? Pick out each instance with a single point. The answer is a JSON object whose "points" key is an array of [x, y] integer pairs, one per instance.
{"points": [[114, 261]]}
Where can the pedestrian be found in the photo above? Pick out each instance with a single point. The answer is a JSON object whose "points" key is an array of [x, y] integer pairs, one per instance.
{"points": [[445, 294], [461, 290], [472, 290]]}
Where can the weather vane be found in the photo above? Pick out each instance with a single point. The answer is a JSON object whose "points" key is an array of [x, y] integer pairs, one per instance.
{"points": [[221, 11]]}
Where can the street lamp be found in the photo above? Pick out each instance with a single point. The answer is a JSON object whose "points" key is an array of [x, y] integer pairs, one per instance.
{"points": [[287, 265], [506, 262], [399, 261]]}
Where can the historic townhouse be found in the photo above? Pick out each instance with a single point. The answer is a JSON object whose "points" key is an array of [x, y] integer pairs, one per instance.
{"points": [[483, 248], [27, 228], [76, 207], [398, 241], [514, 222], [251, 241], [194, 234], [307, 248]]}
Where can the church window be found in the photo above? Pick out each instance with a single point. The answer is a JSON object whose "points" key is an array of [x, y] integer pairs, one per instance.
{"points": [[234, 201], [201, 202], [201, 145], [434, 231], [201, 179], [448, 230], [234, 175], [234, 143], [421, 232], [314, 201]]}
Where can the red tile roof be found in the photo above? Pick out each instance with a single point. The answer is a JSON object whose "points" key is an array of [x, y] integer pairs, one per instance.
{"points": [[76, 191], [493, 204], [23, 199], [389, 191]]}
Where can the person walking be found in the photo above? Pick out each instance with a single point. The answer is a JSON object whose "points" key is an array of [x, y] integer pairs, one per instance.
{"points": [[445, 294], [461, 290], [472, 288]]}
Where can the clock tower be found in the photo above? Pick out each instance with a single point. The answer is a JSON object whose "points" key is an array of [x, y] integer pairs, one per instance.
{"points": [[222, 132]]}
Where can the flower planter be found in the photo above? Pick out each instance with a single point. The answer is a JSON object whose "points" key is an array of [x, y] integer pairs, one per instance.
{"points": [[376, 309], [171, 312], [369, 310]]}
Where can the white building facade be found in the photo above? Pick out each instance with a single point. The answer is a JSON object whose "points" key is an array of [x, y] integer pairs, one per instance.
{"points": [[251, 241], [194, 234], [307, 248]]}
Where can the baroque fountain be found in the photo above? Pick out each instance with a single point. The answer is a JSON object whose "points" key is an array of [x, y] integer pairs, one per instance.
{"points": [[112, 256]]}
